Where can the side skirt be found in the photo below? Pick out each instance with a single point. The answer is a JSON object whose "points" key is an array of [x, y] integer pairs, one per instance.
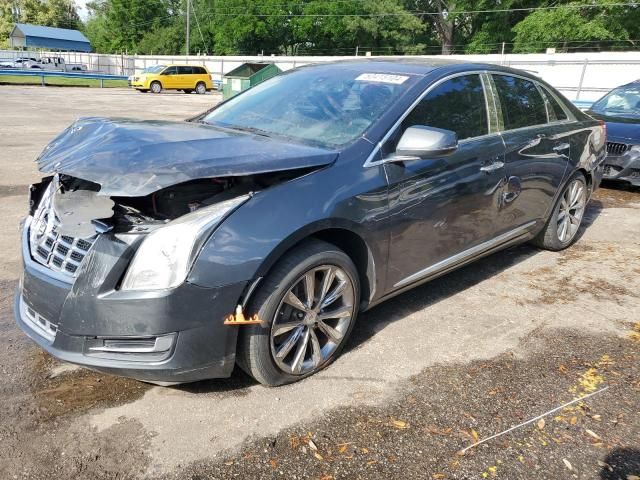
{"points": [[521, 234]]}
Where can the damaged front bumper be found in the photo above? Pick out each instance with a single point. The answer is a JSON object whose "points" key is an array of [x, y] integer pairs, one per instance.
{"points": [[166, 336], [623, 165]]}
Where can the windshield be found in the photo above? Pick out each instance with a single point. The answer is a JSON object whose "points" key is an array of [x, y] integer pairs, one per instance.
{"points": [[154, 69], [330, 106], [621, 102]]}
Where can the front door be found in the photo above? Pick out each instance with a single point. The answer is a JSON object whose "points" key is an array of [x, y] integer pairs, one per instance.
{"points": [[170, 77], [442, 207]]}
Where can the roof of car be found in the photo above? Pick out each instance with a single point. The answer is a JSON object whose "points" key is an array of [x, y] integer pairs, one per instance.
{"points": [[182, 65], [411, 65]]}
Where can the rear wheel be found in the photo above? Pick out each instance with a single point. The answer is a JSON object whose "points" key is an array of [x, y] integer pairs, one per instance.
{"points": [[156, 87], [201, 88], [562, 228], [308, 304]]}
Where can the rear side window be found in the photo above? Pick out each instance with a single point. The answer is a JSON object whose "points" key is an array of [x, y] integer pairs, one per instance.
{"points": [[457, 104], [185, 70], [199, 70], [556, 112], [522, 104]]}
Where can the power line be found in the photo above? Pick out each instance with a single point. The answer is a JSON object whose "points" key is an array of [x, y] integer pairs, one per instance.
{"points": [[247, 9], [413, 12]]}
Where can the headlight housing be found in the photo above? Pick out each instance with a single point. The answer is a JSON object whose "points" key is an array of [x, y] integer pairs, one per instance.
{"points": [[165, 256]]}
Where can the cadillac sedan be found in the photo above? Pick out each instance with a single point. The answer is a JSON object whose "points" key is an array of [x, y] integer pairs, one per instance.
{"points": [[255, 233]]}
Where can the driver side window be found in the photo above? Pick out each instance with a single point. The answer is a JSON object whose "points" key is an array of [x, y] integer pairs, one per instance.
{"points": [[170, 71], [457, 104]]}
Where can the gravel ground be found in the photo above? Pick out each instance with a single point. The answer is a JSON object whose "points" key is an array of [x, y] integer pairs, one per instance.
{"points": [[420, 434], [424, 375]]}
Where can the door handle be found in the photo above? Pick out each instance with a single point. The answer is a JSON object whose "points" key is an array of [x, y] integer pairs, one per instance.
{"points": [[492, 167], [561, 147]]}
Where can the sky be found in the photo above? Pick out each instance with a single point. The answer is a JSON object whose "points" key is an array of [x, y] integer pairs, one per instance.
{"points": [[82, 8]]}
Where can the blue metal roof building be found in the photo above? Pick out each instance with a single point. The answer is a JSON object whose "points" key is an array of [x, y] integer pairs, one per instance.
{"points": [[24, 35]]}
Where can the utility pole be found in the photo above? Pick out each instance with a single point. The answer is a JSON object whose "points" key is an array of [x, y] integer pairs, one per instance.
{"points": [[188, 15]]}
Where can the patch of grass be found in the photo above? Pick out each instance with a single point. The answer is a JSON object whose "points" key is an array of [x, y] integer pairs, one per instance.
{"points": [[59, 81]]}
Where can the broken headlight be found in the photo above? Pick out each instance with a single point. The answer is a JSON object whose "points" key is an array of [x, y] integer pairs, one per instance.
{"points": [[164, 258]]}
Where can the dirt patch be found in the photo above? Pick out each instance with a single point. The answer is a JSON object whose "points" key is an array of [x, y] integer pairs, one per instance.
{"points": [[555, 288], [447, 408], [11, 190], [617, 196], [77, 391]]}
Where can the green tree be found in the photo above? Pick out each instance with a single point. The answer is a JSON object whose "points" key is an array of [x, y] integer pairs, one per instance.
{"points": [[118, 25], [49, 13], [570, 27]]}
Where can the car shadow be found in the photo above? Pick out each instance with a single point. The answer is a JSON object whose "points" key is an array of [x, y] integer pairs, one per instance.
{"points": [[373, 321], [421, 297], [621, 463]]}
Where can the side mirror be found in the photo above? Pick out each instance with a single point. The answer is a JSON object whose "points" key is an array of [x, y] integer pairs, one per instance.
{"points": [[422, 142]]}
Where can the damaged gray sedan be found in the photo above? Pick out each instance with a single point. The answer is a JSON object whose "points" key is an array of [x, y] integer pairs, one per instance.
{"points": [[253, 234]]}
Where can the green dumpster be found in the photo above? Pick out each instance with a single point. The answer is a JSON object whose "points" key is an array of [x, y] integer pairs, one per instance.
{"points": [[245, 76]]}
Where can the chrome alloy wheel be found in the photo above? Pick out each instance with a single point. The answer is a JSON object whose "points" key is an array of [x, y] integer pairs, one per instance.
{"points": [[571, 210], [312, 319]]}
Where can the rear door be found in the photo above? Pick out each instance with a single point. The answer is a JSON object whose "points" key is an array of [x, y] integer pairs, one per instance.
{"points": [[185, 77], [537, 133], [443, 207]]}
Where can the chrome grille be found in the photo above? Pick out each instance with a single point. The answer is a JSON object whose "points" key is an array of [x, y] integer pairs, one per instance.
{"points": [[614, 148], [61, 253]]}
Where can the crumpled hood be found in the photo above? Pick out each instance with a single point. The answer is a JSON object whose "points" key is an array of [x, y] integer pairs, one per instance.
{"points": [[135, 158]]}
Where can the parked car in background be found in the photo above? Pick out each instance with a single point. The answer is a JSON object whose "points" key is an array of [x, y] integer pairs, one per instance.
{"points": [[257, 231], [188, 78], [59, 64], [53, 63], [26, 62], [620, 109], [583, 105]]}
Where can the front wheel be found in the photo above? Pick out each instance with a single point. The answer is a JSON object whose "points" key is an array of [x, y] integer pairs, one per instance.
{"points": [[308, 304], [562, 227], [156, 87]]}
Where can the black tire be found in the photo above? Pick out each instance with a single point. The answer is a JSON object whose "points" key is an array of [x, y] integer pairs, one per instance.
{"points": [[549, 237], [201, 88], [156, 87], [254, 354]]}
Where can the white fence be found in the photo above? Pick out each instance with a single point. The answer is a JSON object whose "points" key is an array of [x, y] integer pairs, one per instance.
{"points": [[583, 76]]}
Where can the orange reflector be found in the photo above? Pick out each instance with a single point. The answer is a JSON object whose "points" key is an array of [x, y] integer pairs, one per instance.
{"points": [[240, 319]]}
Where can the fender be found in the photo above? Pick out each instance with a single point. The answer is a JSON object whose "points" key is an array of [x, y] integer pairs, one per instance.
{"points": [[233, 252]]}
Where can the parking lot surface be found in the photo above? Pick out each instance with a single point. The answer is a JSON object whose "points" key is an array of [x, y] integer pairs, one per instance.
{"points": [[425, 375]]}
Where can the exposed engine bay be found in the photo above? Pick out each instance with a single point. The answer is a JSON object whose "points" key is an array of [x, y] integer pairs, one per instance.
{"points": [[80, 210]]}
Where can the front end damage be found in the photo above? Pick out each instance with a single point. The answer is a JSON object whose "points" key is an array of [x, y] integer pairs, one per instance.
{"points": [[91, 293]]}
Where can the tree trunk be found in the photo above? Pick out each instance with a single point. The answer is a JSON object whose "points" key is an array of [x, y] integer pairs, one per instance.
{"points": [[446, 35], [445, 26]]}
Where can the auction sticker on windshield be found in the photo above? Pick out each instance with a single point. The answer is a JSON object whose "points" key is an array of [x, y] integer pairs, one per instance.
{"points": [[382, 78]]}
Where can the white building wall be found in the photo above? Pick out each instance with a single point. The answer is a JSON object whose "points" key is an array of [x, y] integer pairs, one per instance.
{"points": [[585, 75]]}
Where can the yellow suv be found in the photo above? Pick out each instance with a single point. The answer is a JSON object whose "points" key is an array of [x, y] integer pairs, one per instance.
{"points": [[173, 77]]}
